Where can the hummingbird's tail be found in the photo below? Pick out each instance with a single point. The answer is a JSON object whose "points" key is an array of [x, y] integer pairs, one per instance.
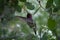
{"points": [[34, 29]]}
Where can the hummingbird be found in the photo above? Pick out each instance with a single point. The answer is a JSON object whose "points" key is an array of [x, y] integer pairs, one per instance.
{"points": [[28, 19]]}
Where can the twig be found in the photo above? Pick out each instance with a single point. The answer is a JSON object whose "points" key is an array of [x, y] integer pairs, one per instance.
{"points": [[28, 12], [36, 10], [40, 5]]}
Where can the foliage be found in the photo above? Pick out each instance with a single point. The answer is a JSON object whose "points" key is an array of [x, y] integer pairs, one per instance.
{"points": [[47, 19]]}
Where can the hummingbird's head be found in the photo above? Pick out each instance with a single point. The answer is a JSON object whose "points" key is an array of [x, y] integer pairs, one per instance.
{"points": [[29, 16]]}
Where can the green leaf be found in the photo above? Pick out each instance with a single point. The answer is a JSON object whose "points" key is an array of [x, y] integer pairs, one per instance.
{"points": [[51, 24], [57, 2], [18, 8], [1, 6], [29, 5], [49, 3], [23, 0], [55, 9]]}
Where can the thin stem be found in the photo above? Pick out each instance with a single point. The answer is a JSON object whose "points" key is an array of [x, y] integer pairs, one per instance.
{"points": [[39, 7], [42, 6], [36, 10], [28, 12]]}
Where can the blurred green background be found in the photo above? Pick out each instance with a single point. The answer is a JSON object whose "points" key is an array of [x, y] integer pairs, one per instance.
{"points": [[45, 13]]}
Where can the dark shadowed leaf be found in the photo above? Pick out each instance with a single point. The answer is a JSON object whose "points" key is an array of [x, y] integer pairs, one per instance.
{"points": [[49, 3], [55, 9], [57, 2], [29, 5], [23, 0], [18, 8]]}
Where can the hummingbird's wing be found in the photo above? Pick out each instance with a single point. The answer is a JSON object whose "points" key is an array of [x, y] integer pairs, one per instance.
{"points": [[23, 19]]}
